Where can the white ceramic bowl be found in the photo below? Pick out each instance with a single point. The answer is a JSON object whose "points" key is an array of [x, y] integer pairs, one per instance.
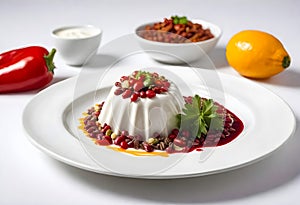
{"points": [[76, 44], [179, 53]]}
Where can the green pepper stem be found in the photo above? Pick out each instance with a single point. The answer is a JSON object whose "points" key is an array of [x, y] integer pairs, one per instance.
{"points": [[49, 60], [286, 61]]}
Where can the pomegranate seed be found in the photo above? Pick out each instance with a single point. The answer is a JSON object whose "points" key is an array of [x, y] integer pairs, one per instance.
{"points": [[157, 90], [134, 97], [123, 78], [196, 142], [92, 135], [134, 73], [143, 94], [175, 131], [179, 142], [155, 75], [99, 136], [148, 147], [108, 138], [131, 144], [166, 84], [118, 91], [138, 85], [150, 93], [117, 84], [107, 127], [188, 99], [158, 83], [172, 136], [132, 81], [103, 142], [141, 78], [164, 89], [124, 133], [126, 94], [124, 145], [119, 139]]}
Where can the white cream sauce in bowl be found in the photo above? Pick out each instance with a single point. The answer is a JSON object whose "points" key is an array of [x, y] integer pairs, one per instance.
{"points": [[76, 44], [75, 32]]}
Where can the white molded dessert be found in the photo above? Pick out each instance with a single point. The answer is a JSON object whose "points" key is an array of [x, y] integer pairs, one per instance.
{"points": [[145, 116]]}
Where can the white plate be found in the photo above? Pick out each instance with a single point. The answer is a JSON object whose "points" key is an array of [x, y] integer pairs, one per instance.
{"points": [[51, 119]]}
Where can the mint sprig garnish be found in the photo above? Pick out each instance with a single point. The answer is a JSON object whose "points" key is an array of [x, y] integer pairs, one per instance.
{"points": [[199, 116], [179, 20]]}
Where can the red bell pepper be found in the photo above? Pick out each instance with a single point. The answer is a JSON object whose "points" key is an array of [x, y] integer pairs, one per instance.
{"points": [[26, 69]]}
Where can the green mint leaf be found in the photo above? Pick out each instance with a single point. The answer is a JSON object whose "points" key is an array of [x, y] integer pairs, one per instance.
{"points": [[183, 20], [175, 20], [199, 116], [179, 20], [148, 82]]}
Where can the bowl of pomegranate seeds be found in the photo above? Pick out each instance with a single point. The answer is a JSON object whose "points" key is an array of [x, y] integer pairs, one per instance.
{"points": [[178, 40]]}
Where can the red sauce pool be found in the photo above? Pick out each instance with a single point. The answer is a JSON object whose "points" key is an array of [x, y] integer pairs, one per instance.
{"points": [[220, 141]]}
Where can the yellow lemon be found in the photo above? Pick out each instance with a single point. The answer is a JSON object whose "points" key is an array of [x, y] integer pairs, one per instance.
{"points": [[256, 54]]}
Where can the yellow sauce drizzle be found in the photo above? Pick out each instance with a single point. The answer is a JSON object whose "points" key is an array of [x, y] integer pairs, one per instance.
{"points": [[138, 152], [81, 124], [119, 149]]}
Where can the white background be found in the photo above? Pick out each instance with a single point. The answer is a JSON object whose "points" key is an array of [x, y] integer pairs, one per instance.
{"points": [[28, 176]]}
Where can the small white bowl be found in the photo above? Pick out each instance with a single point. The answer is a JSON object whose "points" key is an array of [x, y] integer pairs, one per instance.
{"points": [[179, 53], [76, 44]]}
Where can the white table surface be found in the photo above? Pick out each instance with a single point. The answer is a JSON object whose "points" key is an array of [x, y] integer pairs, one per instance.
{"points": [[28, 176]]}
